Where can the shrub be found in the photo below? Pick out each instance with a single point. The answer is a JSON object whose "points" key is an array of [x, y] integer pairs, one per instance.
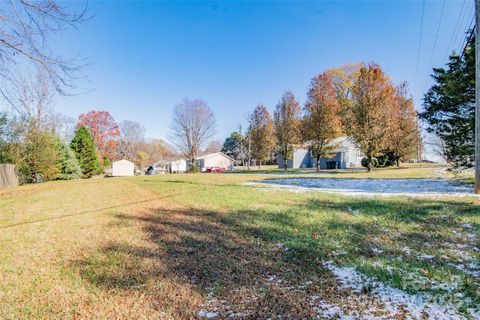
{"points": [[365, 162]]}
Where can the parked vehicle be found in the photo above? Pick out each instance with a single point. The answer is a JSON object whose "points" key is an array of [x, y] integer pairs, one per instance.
{"points": [[150, 171], [215, 169]]}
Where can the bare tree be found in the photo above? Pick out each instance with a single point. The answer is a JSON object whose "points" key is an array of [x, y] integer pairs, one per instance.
{"points": [[31, 98], [26, 28], [132, 138], [193, 125], [213, 147], [158, 150]]}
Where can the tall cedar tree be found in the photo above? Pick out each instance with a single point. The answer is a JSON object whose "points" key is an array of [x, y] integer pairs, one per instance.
{"points": [[404, 134], [450, 107], [105, 132], [261, 134], [367, 117], [321, 122], [287, 121], [68, 163], [84, 148]]}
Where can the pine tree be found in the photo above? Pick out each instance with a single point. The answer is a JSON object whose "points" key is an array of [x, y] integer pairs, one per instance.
{"points": [[84, 148], [450, 107], [69, 166]]}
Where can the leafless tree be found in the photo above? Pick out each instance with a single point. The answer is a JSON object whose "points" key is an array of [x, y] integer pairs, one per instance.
{"points": [[213, 147], [32, 98], [132, 138], [437, 147], [25, 30], [193, 125]]}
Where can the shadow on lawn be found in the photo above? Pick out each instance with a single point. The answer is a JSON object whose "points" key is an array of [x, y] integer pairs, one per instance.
{"points": [[202, 250], [240, 255]]}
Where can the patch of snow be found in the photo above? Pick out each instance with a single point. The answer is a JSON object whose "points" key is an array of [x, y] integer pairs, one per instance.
{"points": [[376, 250], [208, 314], [467, 226], [425, 257], [375, 187], [406, 250], [393, 299]]}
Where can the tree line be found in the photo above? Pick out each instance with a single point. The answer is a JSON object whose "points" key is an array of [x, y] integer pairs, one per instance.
{"points": [[359, 101], [36, 146]]}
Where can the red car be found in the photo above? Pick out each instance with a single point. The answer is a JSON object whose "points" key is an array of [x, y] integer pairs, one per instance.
{"points": [[215, 169]]}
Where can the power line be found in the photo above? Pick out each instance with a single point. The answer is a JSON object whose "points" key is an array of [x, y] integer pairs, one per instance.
{"points": [[465, 25], [454, 31], [435, 41], [466, 40], [436, 34], [419, 44]]}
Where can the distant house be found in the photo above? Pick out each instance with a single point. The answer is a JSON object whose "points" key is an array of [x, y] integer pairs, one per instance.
{"points": [[177, 166], [218, 159], [346, 155], [123, 168]]}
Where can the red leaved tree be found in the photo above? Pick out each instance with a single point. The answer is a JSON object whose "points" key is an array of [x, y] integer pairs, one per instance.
{"points": [[105, 131]]}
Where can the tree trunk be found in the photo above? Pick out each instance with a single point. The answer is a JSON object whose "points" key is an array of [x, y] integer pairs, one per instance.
{"points": [[369, 167], [397, 161], [317, 163], [259, 165], [285, 163]]}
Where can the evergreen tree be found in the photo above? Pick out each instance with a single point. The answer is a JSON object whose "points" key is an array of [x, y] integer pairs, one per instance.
{"points": [[450, 107], [233, 146], [69, 166], [84, 148]]}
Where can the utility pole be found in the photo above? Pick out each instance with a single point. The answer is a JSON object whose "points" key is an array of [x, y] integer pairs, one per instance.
{"points": [[477, 97]]}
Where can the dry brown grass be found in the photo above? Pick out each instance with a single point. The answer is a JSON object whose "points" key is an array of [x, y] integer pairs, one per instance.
{"points": [[167, 247]]}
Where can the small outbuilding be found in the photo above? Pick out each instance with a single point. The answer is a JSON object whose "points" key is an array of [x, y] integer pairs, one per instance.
{"points": [[8, 176], [123, 168], [178, 166]]}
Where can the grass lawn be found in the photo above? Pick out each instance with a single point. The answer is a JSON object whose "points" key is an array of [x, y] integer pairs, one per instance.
{"points": [[208, 246]]}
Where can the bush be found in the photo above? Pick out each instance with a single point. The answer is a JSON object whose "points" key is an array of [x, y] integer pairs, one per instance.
{"points": [[365, 162]]}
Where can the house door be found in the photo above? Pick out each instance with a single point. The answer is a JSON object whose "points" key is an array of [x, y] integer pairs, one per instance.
{"points": [[332, 165]]}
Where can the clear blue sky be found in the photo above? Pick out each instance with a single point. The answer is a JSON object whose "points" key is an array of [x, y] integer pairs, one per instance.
{"points": [[145, 57]]}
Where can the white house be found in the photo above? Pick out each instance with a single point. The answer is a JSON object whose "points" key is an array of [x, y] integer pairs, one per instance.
{"points": [[218, 159], [345, 155], [123, 168], [177, 166]]}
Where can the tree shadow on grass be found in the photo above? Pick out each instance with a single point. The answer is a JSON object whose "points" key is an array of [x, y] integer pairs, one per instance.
{"points": [[200, 251], [252, 259]]}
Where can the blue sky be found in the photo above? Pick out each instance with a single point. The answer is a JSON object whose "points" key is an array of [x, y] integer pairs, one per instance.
{"points": [[145, 57]]}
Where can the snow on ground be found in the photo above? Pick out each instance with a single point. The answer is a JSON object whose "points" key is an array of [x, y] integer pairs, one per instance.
{"points": [[382, 187], [395, 301]]}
